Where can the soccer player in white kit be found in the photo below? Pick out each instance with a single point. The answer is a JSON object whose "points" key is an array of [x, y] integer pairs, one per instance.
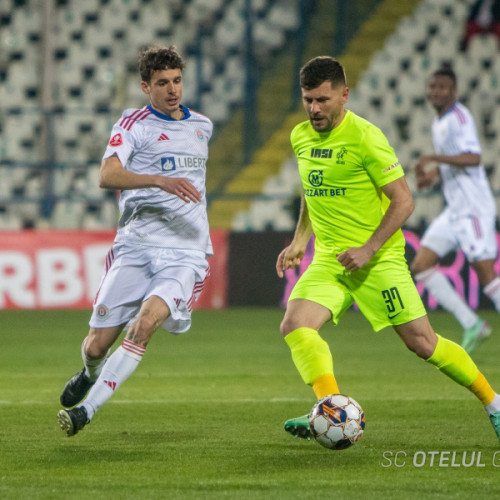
{"points": [[468, 220], [157, 266]]}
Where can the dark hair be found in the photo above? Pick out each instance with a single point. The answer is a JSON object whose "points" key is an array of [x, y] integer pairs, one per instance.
{"points": [[446, 70], [157, 59], [321, 69]]}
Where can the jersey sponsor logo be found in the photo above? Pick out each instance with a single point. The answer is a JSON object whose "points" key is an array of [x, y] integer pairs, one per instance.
{"points": [[182, 163], [116, 140], [325, 192], [191, 162], [321, 153], [340, 156], [392, 167], [168, 164], [163, 137], [315, 178]]}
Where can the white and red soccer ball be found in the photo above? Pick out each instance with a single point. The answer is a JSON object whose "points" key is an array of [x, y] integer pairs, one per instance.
{"points": [[337, 421]]}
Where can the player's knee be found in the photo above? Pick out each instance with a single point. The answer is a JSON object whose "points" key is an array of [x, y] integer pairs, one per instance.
{"points": [[424, 262], [142, 329], [289, 324], [95, 348], [414, 268], [421, 346], [417, 267]]}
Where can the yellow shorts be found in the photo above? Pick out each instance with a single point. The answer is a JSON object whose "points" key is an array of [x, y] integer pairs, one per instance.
{"points": [[383, 289]]}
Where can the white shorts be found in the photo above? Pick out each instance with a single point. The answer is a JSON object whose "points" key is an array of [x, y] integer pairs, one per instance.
{"points": [[475, 236], [133, 274]]}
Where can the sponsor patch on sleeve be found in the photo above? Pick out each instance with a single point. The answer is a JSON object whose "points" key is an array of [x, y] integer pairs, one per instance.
{"points": [[392, 167]]}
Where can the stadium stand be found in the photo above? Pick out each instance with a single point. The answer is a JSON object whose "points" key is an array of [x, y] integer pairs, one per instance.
{"points": [[93, 49], [241, 192], [390, 92]]}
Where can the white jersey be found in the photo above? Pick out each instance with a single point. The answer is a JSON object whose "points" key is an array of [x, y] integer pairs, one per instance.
{"points": [[466, 190], [148, 142]]}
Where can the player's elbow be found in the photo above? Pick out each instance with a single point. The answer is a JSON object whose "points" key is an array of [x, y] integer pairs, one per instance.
{"points": [[109, 174], [104, 180], [411, 206], [406, 208], [107, 177]]}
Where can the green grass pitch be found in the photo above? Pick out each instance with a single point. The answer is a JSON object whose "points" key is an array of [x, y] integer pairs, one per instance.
{"points": [[202, 416]]}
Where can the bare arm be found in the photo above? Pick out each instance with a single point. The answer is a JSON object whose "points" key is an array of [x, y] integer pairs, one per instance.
{"points": [[113, 176], [291, 256], [428, 177], [460, 161], [400, 208]]}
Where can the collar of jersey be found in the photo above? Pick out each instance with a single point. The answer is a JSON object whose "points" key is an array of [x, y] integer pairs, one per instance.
{"points": [[185, 110]]}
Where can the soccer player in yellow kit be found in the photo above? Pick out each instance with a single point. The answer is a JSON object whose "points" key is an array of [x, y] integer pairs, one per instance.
{"points": [[355, 200]]}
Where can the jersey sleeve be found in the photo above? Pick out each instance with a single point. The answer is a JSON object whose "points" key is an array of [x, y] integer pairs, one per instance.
{"points": [[293, 139], [123, 141], [464, 133], [379, 158], [298, 137]]}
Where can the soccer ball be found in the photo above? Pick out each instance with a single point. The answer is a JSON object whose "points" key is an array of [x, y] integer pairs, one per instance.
{"points": [[337, 421]]}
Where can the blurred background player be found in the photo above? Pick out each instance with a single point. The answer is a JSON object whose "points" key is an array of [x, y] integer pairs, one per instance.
{"points": [[355, 201], [157, 266], [468, 221]]}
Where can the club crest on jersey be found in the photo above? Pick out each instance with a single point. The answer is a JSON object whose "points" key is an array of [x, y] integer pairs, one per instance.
{"points": [[199, 134], [168, 164], [116, 140], [102, 312], [340, 156], [316, 178]]}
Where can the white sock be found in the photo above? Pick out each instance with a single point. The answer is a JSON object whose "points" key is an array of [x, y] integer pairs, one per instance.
{"points": [[120, 365], [494, 406], [492, 290], [93, 367], [438, 285]]}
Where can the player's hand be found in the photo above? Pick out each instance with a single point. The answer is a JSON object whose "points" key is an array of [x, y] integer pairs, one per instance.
{"points": [[288, 258], [422, 162], [354, 258], [180, 187], [424, 180], [425, 177]]}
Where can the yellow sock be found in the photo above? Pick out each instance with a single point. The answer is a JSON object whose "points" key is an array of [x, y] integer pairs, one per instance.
{"points": [[482, 389], [325, 385], [452, 360], [310, 353]]}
